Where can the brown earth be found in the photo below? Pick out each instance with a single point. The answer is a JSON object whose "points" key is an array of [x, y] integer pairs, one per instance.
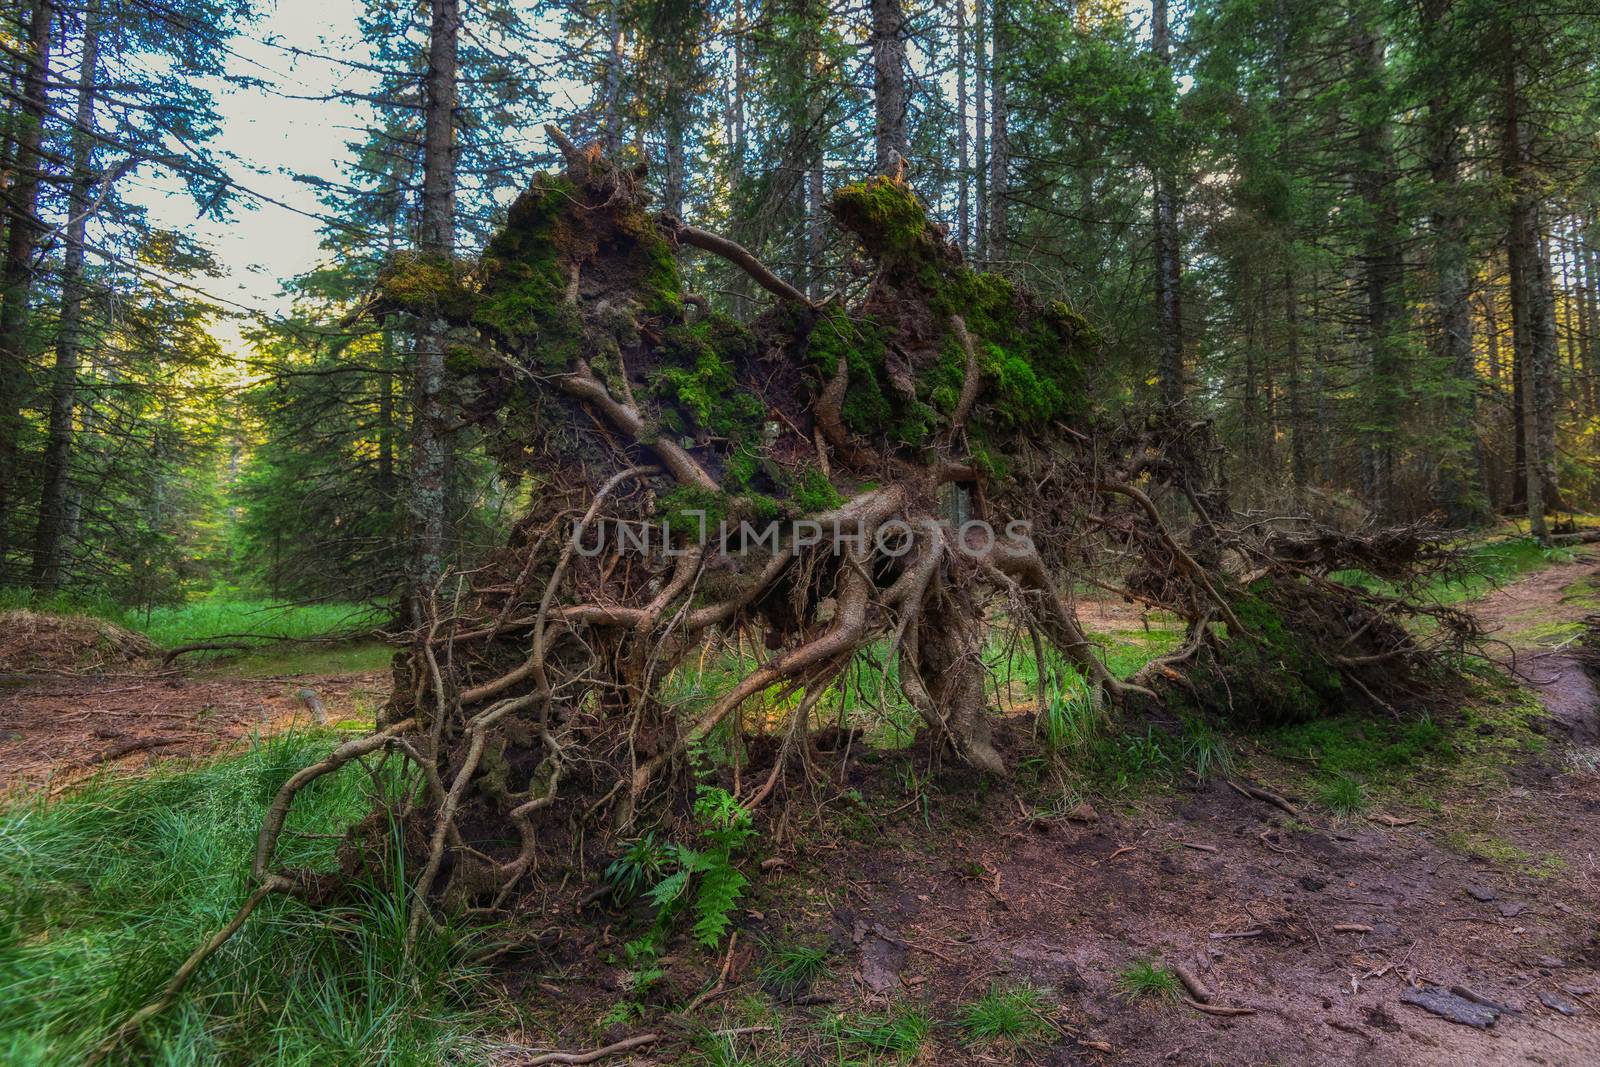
{"points": [[1489, 885], [58, 728]]}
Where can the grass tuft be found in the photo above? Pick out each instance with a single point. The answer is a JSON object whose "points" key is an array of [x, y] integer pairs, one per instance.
{"points": [[103, 894], [901, 1032], [791, 970], [1146, 978], [1015, 1015], [1343, 796]]}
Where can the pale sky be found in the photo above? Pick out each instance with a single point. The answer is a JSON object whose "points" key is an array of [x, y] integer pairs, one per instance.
{"points": [[265, 139]]}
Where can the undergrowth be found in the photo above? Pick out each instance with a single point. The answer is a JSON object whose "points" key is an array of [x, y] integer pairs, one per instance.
{"points": [[1014, 1014], [170, 626], [1146, 978], [103, 894]]}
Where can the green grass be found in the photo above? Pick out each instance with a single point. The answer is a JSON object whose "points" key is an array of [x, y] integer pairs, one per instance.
{"points": [[1357, 746], [1343, 796], [1146, 978], [901, 1032], [105, 892], [790, 970], [1485, 566], [293, 661], [1014, 1014], [213, 617]]}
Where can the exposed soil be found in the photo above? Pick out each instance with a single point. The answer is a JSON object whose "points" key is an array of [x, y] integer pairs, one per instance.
{"points": [[1492, 889], [1489, 887], [58, 728]]}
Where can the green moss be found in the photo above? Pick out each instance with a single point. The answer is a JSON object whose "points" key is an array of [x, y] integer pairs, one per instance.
{"points": [[696, 387], [523, 300], [1030, 357], [887, 217], [426, 286], [812, 492], [686, 507]]}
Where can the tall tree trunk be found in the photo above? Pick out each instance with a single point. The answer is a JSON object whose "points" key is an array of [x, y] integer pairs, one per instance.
{"points": [[1382, 274], [889, 83], [16, 274], [999, 138], [1588, 321], [1522, 254], [435, 238], [673, 191], [963, 156], [48, 535], [980, 49], [1546, 394], [1299, 469], [1461, 486], [1169, 319], [611, 115]]}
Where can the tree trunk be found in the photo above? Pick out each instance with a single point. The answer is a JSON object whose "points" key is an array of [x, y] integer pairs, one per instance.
{"points": [[999, 139], [49, 533], [1382, 275], [889, 83], [1546, 395], [16, 274], [1461, 486], [435, 238], [1299, 469], [980, 48], [1169, 321], [1522, 254], [611, 116], [963, 156]]}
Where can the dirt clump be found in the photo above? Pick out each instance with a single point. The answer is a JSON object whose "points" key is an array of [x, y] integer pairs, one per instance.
{"points": [[33, 642]]}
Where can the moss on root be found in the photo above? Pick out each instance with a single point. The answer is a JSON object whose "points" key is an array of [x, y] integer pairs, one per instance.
{"points": [[1030, 356]]}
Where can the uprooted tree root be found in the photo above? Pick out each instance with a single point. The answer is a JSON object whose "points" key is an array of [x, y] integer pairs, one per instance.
{"points": [[534, 698]]}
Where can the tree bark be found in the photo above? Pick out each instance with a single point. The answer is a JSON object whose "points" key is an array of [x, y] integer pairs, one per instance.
{"points": [[999, 138], [889, 83], [16, 274], [435, 238], [1382, 274], [980, 48], [1527, 312], [963, 154], [51, 529], [611, 116], [1461, 486], [1168, 280]]}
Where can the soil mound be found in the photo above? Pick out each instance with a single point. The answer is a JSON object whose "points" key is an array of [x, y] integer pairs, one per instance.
{"points": [[32, 642]]}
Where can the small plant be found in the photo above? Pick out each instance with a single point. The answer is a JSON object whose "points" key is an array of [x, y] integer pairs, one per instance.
{"points": [[1147, 978], [1343, 796], [1069, 717], [1014, 1015], [709, 872], [901, 1032], [1203, 750], [639, 867], [790, 970]]}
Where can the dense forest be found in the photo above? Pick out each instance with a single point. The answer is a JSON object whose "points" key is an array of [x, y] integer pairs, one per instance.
{"points": [[787, 532], [1359, 237]]}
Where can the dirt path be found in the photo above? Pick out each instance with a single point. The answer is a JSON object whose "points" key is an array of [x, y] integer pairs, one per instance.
{"points": [[1329, 929], [56, 729]]}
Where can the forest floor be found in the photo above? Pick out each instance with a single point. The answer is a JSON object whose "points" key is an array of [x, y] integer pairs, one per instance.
{"points": [[59, 727], [1457, 852], [1466, 857]]}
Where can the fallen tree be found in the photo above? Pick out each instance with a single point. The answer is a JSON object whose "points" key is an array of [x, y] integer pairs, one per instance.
{"points": [[891, 472]]}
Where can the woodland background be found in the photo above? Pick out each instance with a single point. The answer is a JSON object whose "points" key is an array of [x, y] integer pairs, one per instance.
{"points": [[1361, 236]]}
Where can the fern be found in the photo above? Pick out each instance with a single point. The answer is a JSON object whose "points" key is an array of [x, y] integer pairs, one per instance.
{"points": [[725, 826], [665, 892], [721, 886]]}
